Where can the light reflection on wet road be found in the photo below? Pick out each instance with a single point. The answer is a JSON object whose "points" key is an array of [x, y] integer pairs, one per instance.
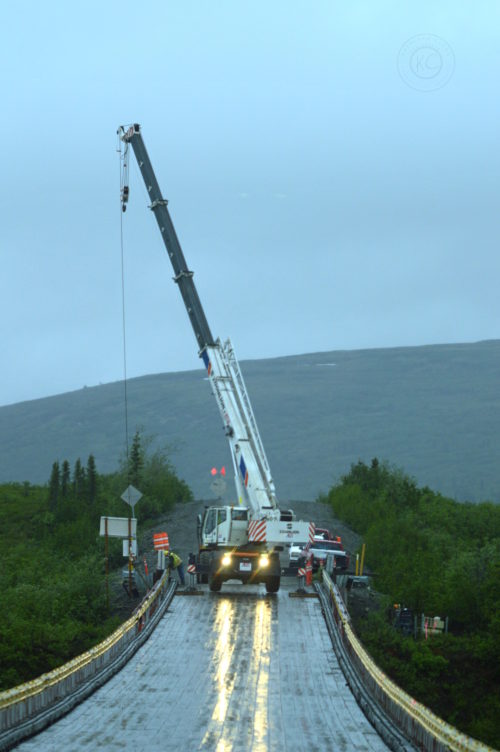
{"points": [[229, 672]]}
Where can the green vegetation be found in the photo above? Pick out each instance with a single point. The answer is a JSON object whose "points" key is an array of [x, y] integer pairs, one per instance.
{"points": [[52, 583], [434, 556]]}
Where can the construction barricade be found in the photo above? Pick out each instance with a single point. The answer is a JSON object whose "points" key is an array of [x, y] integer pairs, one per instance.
{"points": [[301, 572], [309, 570], [160, 541], [191, 569]]}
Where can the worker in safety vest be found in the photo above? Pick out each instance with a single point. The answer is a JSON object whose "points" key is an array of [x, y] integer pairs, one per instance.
{"points": [[175, 562]]}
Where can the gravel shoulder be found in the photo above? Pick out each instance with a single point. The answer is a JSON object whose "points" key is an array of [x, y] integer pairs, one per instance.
{"points": [[180, 524]]}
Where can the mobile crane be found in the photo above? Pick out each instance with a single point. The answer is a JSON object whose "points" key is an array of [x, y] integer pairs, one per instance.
{"points": [[242, 541]]}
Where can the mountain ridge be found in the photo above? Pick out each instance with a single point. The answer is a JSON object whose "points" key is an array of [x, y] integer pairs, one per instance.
{"points": [[432, 410]]}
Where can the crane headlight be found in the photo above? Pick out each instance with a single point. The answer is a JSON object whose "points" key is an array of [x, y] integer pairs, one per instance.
{"points": [[264, 560], [226, 560]]}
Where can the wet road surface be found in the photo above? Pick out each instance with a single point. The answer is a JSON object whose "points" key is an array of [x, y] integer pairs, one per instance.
{"points": [[235, 671]]}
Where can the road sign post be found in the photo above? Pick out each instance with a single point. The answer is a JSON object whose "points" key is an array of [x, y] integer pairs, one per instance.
{"points": [[130, 496], [119, 527]]}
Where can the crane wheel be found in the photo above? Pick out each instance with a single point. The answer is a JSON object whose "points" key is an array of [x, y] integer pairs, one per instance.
{"points": [[214, 585], [273, 584]]}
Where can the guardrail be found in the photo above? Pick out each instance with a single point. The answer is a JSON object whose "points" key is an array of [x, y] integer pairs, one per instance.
{"points": [[419, 724], [28, 708]]}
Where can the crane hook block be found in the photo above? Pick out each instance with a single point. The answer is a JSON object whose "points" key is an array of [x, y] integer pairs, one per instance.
{"points": [[125, 194]]}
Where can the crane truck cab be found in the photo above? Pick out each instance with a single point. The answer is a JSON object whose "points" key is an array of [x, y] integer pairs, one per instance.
{"points": [[232, 545], [225, 552]]}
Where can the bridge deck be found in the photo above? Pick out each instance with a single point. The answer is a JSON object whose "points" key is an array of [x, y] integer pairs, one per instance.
{"points": [[239, 671]]}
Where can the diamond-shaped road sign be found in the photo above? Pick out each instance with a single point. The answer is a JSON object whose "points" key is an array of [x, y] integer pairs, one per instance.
{"points": [[131, 496]]}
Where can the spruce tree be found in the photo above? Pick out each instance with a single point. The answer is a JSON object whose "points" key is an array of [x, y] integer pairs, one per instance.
{"points": [[79, 479], [136, 461], [54, 486], [65, 479], [91, 479]]}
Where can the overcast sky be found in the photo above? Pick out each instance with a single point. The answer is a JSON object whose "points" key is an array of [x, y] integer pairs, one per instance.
{"points": [[332, 170]]}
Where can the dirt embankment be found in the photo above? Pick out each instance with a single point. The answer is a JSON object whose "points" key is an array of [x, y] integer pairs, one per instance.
{"points": [[180, 524]]}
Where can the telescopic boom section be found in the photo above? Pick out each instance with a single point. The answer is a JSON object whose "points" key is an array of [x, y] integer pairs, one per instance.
{"points": [[183, 277], [254, 484]]}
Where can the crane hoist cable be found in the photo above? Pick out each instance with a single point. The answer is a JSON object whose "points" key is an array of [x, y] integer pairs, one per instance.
{"points": [[124, 193], [124, 187]]}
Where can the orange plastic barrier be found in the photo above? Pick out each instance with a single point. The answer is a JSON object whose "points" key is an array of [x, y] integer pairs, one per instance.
{"points": [[309, 571], [160, 541]]}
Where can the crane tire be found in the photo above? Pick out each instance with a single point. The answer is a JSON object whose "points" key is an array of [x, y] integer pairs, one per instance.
{"points": [[214, 584], [272, 584]]}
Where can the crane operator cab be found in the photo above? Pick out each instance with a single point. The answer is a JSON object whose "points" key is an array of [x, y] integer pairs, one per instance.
{"points": [[223, 526]]}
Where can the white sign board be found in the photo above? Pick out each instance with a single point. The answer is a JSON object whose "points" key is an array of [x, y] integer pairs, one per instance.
{"points": [[127, 547], [118, 527]]}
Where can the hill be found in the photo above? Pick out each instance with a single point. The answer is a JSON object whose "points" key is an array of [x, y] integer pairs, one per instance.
{"points": [[433, 411]]}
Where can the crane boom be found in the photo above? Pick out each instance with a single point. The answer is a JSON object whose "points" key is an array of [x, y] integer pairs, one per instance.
{"points": [[183, 277], [254, 483], [242, 542]]}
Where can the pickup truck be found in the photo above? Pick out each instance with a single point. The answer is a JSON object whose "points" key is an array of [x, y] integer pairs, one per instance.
{"points": [[320, 550], [323, 534], [296, 551]]}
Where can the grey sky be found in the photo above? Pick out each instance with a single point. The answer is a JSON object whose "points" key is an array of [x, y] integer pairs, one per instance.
{"points": [[324, 198]]}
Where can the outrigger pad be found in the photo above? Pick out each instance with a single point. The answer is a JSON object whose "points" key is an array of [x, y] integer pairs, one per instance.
{"points": [[302, 594]]}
